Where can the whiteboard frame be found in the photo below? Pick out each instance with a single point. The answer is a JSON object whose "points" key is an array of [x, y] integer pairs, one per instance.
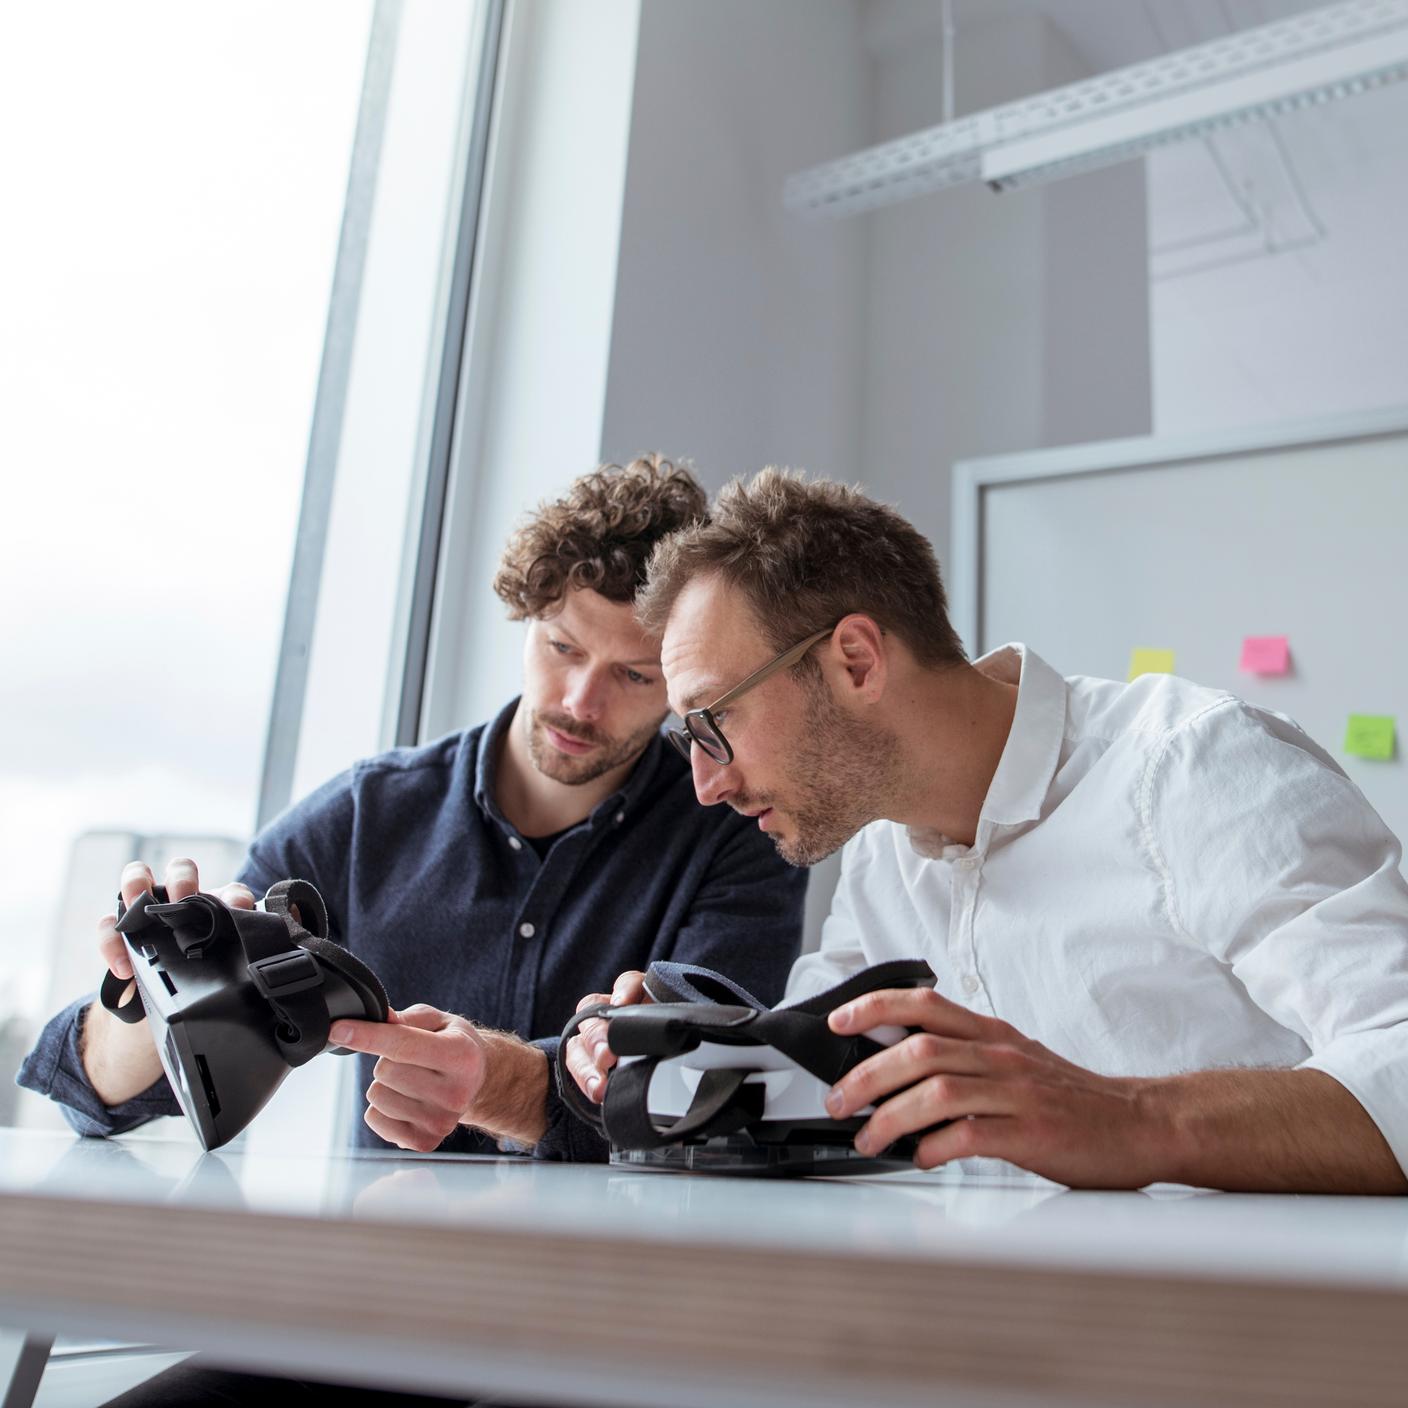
{"points": [[973, 477]]}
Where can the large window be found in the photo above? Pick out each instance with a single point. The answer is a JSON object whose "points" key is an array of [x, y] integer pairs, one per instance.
{"points": [[173, 178]]}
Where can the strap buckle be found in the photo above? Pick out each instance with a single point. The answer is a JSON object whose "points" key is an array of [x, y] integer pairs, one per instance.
{"points": [[282, 974]]}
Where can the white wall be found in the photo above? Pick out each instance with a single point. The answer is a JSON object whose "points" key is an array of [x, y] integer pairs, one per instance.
{"points": [[378, 487], [739, 331], [994, 322], [540, 329], [876, 349], [649, 291], [1317, 329], [737, 334]]}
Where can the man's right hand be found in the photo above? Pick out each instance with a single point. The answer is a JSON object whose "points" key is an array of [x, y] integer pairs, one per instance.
{"points": [[589, 1058], [120, 1059]]}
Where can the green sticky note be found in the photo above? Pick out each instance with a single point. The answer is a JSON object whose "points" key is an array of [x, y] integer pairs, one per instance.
{"points": [[1150, 662], [1369, 736]]}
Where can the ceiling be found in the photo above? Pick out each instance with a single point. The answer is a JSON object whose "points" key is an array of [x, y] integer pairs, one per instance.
{"points": [[1105, 33], [1277, 280]]}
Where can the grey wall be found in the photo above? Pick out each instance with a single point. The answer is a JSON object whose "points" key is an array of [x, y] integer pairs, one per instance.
{"points": [[536, 368], [881, 348], [737, 332], [1253, 337], [994, 322]]}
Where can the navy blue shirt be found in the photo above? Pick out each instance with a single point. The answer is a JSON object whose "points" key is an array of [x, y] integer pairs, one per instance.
{"points": [[429, 884]]}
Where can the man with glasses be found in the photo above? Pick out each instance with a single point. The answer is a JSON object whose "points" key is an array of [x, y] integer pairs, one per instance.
{"points": [[499, 872], [1171, 937]]}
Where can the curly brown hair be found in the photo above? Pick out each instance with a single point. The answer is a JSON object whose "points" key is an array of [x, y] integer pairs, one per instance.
{"points": [[805, 553], [599, 534]]}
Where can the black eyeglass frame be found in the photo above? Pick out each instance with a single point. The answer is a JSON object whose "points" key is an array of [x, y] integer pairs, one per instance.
{"points": [[702, 728]]}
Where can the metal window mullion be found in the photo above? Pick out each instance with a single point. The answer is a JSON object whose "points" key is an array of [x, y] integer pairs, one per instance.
{"points": [[325, 434], [446, 427]]}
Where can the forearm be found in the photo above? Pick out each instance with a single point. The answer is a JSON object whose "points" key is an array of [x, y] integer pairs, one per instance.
{"points": [[1291, 1131], [119, 1059], [512, 1101]]}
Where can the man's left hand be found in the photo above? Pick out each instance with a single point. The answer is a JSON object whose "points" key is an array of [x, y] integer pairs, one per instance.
{"points": [[1008, 1097], [438, 1071]]}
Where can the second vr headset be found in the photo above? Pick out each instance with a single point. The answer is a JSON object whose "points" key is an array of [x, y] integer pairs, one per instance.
{"points": [[237, 998], [711, 1080]]}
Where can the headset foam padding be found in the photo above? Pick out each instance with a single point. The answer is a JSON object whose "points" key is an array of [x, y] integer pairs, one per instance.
{"points": [[310, 930], [357, 975]]}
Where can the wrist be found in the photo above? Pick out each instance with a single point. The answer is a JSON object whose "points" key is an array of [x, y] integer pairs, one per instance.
{"points": [[513, 1095], [1163, 1129], [118, 1058]]}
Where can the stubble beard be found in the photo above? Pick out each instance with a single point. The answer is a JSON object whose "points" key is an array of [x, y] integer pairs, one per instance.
{"points": [[839, 778], [574, 772]]}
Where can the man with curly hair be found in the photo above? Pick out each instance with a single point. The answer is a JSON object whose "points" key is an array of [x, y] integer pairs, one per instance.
{"points": [[500, 872]]}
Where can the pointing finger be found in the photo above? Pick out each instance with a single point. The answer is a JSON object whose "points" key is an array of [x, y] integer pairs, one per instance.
{"points": [[399, 1041]]}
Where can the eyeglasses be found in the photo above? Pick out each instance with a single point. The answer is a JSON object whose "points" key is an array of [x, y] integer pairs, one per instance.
{"points": [[700, 725]]}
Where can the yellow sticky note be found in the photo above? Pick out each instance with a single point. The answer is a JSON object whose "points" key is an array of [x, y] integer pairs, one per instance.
{"points": [[1369, 736], [1150, 662]]}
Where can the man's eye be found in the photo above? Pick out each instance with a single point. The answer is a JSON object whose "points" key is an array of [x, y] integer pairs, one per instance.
{"points": [[719, 715], [636, 677], [560, 646]]}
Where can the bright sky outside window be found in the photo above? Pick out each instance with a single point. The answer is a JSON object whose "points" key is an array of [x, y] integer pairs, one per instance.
{"points": [[173, 178]]}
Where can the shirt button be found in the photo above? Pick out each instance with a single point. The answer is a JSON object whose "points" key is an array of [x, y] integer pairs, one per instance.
{"points": [[527, 930], [970, 985], [515, 844], [620, 817], [967, 863]]}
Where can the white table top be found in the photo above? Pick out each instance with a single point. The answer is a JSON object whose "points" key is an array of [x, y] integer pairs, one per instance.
{"points": [[570, 1280]]}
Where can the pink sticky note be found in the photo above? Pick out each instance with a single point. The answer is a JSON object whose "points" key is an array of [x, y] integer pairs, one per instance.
{"points": [[1266, 655]]}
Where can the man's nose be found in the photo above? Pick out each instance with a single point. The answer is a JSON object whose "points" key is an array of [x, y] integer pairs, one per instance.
{"points": [[713, 782], [585, 695]]}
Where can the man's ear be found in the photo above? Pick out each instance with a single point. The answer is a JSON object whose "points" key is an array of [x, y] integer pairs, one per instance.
{"points": [[860, 643]]}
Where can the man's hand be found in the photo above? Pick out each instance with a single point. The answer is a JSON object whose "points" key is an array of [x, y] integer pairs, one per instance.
{"points": [[182, 879], [120, 1059], [589, 1058], [438, 1071], [1008, 1097]]}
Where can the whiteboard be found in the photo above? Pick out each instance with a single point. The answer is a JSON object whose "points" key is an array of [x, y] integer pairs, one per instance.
{"points": [[1191, 544]]}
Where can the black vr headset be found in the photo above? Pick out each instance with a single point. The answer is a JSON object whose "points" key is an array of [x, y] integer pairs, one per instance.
{"points": [[710, 1080], [237, 997]]}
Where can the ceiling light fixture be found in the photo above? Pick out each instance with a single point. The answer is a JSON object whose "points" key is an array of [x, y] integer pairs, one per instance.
{"points": [[1322, 55]]}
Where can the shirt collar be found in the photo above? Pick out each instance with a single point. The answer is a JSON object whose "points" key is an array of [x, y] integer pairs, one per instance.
{"points": [[486, 765], [1033, 749], [486, 768]]}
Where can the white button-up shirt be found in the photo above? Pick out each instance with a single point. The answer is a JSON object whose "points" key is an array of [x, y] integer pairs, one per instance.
{"points": [[1164, 879]]}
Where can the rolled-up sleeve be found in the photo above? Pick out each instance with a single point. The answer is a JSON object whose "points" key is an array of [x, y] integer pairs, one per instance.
{"points": [[1276, 862], [567, 1138], [54, 1068]]}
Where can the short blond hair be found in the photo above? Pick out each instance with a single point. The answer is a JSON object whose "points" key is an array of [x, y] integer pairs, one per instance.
{"points": [[805, 553]]}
